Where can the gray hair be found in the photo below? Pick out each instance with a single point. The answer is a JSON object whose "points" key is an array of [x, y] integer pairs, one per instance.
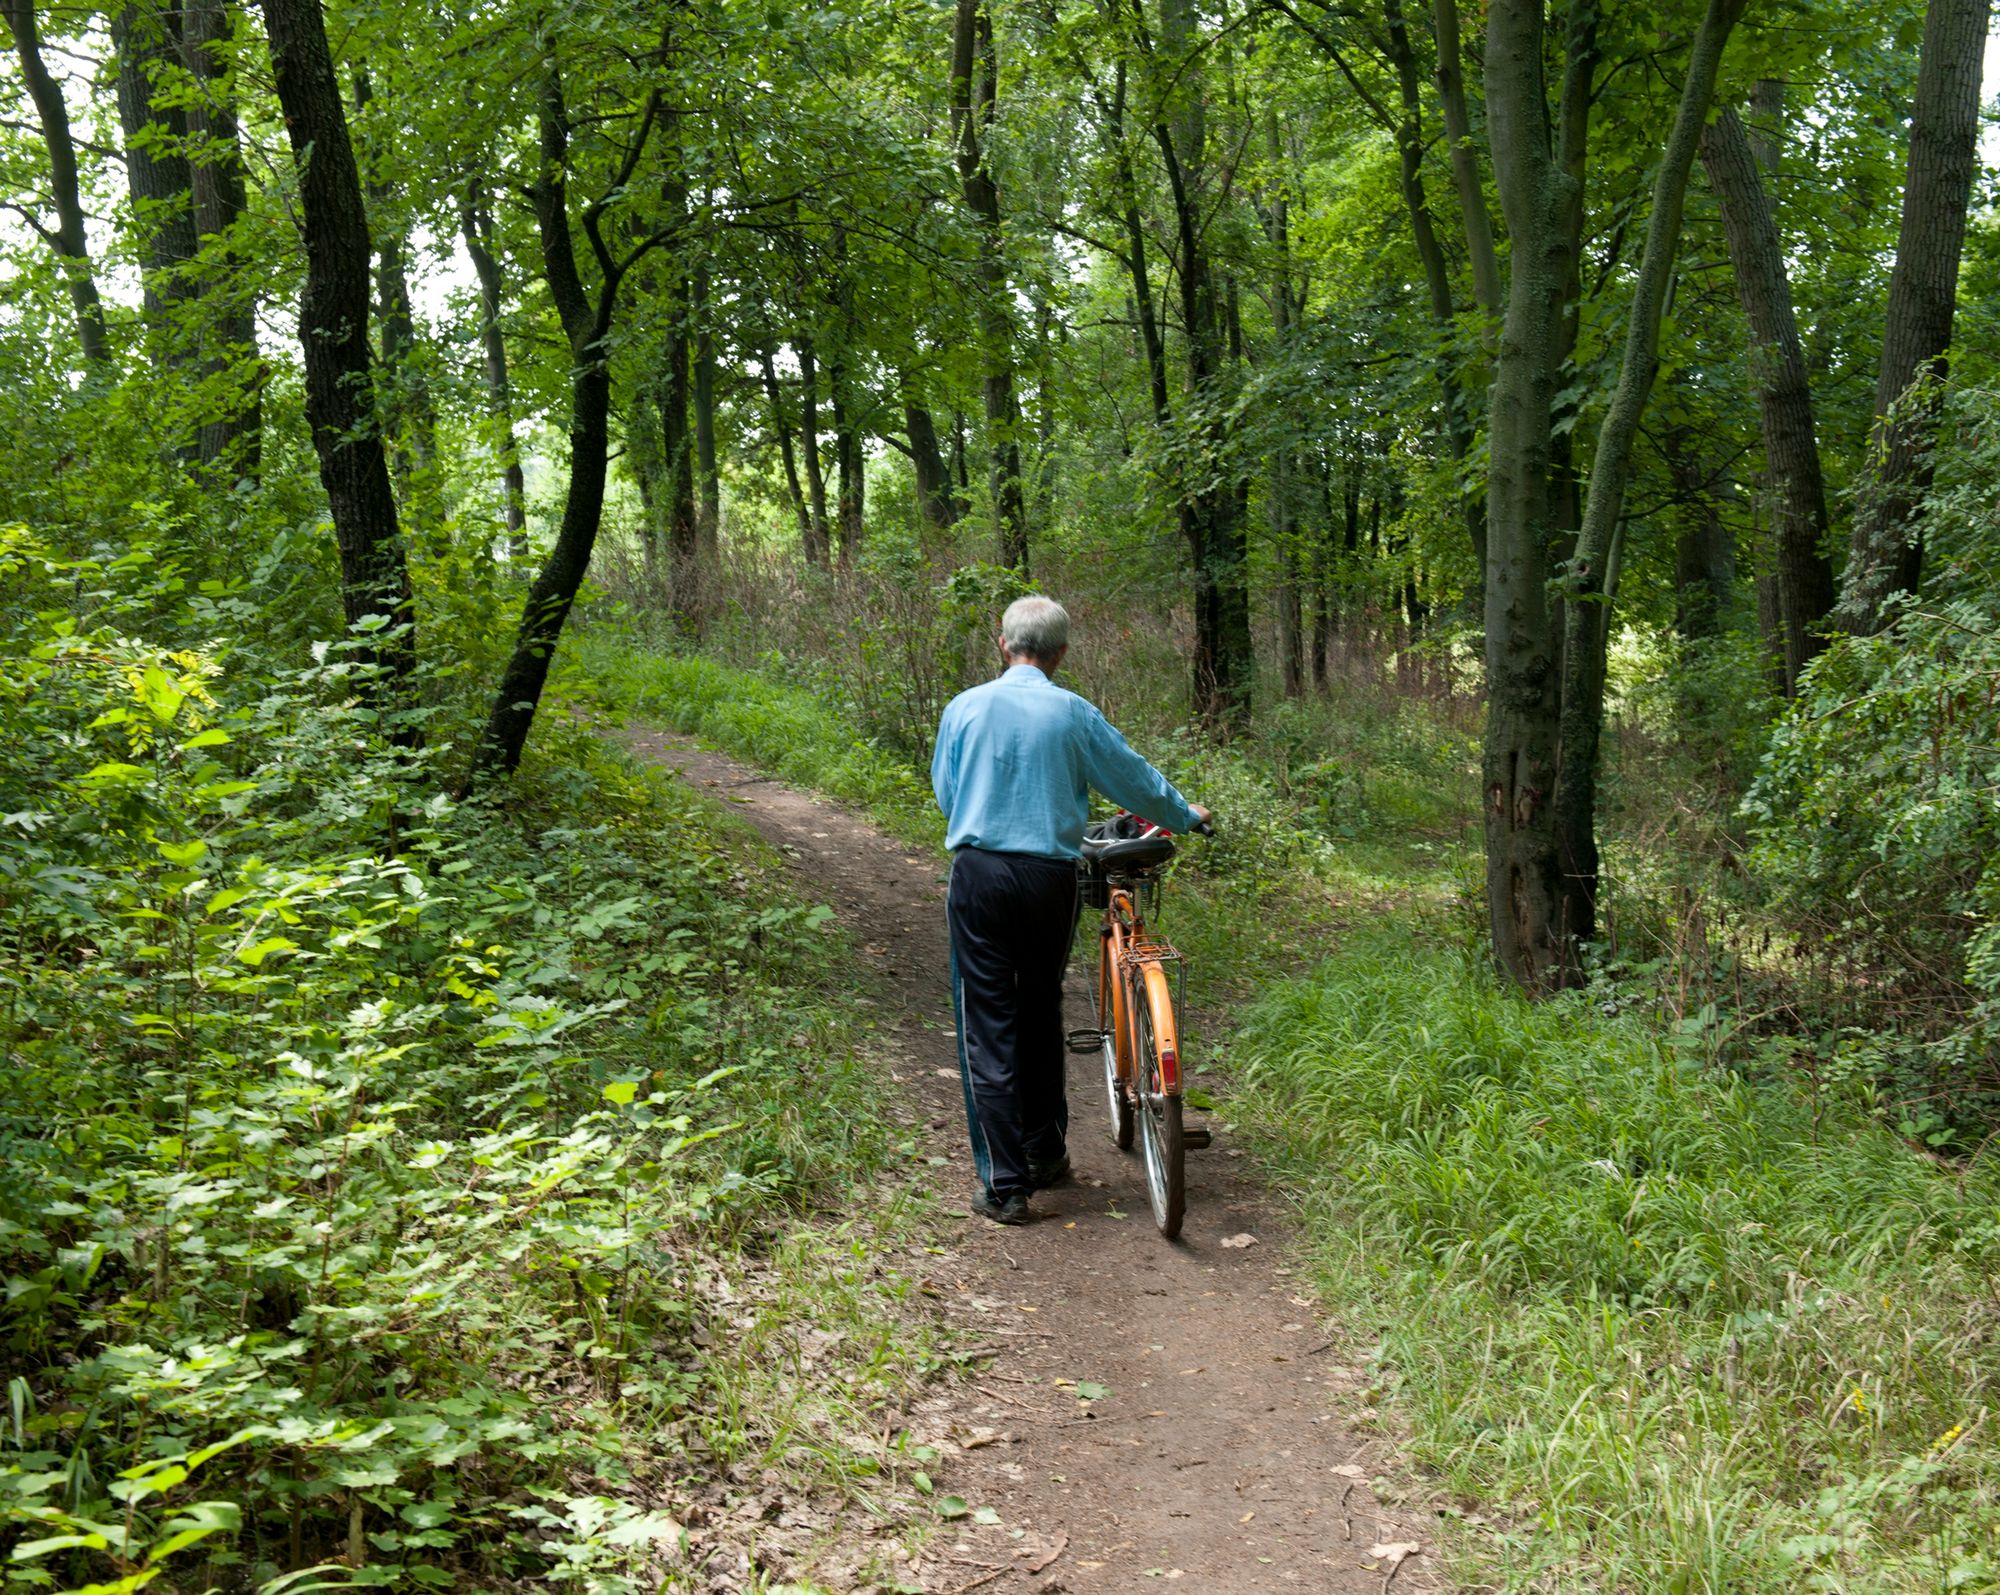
{"points": [[1035, 626]]}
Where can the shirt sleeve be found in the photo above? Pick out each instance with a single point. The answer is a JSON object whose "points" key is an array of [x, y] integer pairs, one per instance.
{"points": [[944, 763], [1114, 767]]}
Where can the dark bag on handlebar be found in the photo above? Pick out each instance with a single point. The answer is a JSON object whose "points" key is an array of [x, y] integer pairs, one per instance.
{"points": [[1091, 885]]}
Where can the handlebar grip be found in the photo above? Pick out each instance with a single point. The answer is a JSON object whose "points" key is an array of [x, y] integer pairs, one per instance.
{"points": [[1205, 828]]}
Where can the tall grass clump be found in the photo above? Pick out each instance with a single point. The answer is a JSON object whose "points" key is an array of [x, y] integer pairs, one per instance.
{"points": [[1670, 1329]]}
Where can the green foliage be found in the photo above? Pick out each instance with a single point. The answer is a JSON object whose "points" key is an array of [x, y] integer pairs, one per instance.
{"points": [[1672, 1330], [1874, 815], [370, 1164]]}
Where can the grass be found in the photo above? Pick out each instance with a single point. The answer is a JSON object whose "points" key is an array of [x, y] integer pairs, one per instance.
{"points": [[775, 726], [1666, 1328], [1649, 1324]]}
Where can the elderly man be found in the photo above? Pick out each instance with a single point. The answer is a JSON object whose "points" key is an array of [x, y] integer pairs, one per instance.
{"points": [[1015, 763]]}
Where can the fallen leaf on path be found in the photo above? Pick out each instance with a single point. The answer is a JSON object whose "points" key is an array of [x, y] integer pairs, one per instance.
{"points": [[1247, 1516], [1239, 1241], [1048, 1556], [1347, 1470], [1394, 1552]]}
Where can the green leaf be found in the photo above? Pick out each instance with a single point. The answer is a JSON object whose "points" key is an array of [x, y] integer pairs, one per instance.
{"points": [[621, 1092], [182, 852], [257, 952], [1089, 1390], [950, 1507]]}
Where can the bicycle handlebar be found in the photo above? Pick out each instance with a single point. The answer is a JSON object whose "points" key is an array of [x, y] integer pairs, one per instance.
{"points": [[1203, 828]]}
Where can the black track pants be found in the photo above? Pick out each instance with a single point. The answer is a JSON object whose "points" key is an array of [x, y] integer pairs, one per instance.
{"points": [[1012, 916]]}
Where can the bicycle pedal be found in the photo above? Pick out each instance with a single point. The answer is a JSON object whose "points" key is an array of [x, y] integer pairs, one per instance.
{"points": [[1196, 1138], [1084, 1040]]}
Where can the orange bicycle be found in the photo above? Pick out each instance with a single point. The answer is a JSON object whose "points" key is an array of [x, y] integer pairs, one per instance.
{"points": [[1139, 1032]]}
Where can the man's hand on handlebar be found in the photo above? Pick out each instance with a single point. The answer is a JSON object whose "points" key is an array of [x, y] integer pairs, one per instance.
{"points": [[1207, 825]]}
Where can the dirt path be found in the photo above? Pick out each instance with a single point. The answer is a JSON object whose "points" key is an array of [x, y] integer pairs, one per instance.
{"points": [[1220, 1456]]}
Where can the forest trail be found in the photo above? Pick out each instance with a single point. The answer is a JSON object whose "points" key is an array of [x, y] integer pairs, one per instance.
{"points": [[1220, 1457]]}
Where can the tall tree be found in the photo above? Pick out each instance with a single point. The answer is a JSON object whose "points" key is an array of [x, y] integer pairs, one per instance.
{"points": [[708, 479], [1591, 581], [66, 238], [1210, 507], [147, 36], [1887, 557], [228, 280], [475, 224], [333, 331], [408, 414], [975, 82], [1803, 567], [587, 318]]}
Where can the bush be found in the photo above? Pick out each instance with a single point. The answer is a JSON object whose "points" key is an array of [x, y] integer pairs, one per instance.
{"points": [[1874, 814], [364, 1156]]}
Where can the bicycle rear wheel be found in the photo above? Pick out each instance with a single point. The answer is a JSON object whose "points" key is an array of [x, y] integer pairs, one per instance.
{"points": [[1161, 1140], [1116, 1095]]}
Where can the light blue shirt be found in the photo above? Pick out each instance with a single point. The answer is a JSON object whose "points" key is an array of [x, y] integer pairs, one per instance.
{"points": [[1016, 761]]}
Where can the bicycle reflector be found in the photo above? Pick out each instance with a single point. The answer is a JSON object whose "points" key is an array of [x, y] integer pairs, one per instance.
{"points": [[1170, 1071]]}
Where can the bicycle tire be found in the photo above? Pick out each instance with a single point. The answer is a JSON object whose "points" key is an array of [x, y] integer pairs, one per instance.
{"points": [[1161, 1140], [1117, 1097]]}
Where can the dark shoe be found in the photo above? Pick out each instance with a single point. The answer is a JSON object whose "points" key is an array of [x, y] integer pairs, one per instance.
{"points": [[1003, 1210], [1043, 1175]]}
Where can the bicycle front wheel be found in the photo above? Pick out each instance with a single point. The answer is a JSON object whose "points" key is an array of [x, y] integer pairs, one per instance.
{"points": [[1159, 1110], [1117, 1095]]}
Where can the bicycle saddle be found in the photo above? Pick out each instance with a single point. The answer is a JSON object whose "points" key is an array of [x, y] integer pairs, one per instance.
{"points": [[1103, 847]]}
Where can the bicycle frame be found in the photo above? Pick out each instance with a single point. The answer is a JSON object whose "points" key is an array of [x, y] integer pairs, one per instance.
{"points": [[1135, 955]]}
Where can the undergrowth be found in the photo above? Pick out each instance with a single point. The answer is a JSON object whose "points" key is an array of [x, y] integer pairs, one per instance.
{"points": [[393, 1190], [1654, 1324], [1666, 1328]]}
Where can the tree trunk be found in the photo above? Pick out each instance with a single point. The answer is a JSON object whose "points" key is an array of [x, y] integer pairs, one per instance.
{"points": [[1322, 605], [1888, 554], [587, 325], [848, 470], [819, 544], [708, 483], [781, 424], [935, 501], [676, 484], [333, 330], [232, 440], [1704, 554], [1589, 588], [68, 240], [1803, 569], [1476, 221], [147, 35], [974, 90], [476, 228], [1409, 133], [403, 391], [1518, 760], [1223, 656]]}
